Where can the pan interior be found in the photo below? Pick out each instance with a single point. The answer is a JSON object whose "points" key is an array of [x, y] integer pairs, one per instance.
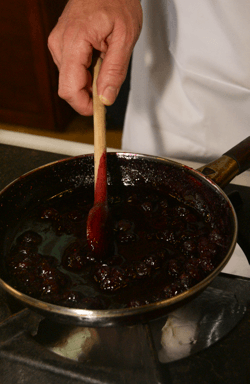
{"points": [[65, 180]]}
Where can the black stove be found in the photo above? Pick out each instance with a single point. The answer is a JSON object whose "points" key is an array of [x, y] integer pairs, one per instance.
{"points": [[34, 350]]}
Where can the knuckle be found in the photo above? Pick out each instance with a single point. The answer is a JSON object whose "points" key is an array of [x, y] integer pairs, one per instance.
{"points": [[78, 100], [52, 42], [127, 34], [117, 72], [65, 93]]}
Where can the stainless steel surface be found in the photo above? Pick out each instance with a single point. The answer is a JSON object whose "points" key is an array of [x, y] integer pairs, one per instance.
{"points": [[199, 324]]}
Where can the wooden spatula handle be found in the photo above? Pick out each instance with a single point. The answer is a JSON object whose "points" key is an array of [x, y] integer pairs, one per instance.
{"points": [[99, 120]]}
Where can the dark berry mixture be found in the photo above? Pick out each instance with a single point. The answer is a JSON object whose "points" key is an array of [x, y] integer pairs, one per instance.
{"points": [[160, 248]]}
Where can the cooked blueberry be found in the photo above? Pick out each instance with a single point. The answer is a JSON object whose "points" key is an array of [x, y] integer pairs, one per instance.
{"points": [[124, 225], [153, 261], [70, 298], [164, 203], [174, 267], [142, 270], [111, 278], [126, 237], [75, 216], [206, 263], [172, 290], [164, 241], [30, 238], [216, 237], [75, 257], [49, 286], [147, 206], [50, 214], [186, 280], [181, 211], [206, 247], [166, 235], [189, 246]]}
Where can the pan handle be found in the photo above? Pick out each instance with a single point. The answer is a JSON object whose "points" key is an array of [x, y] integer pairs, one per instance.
{"points": [[241, 154], [235, 161]]}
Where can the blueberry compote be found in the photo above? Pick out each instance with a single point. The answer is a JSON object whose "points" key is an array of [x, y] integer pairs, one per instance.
{"points": [[160, 248]]}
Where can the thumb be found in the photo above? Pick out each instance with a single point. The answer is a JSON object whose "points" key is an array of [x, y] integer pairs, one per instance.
{"points": [[112, 74]]}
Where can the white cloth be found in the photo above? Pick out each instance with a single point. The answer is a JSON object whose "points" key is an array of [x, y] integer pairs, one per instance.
{"points": [[190, 80]]}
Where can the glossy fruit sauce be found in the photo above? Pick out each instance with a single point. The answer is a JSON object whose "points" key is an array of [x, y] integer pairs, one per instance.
{"points": [[162, 244]]}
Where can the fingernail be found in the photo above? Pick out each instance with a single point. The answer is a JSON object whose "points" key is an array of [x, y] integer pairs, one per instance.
{"points": [[109, 95]]}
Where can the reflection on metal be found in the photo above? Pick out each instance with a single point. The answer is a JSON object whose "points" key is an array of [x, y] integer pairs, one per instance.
{"points": [[199, 324], [77, 345], [221, 171], [182, 333]]}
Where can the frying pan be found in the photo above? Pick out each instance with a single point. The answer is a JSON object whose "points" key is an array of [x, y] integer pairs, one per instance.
{"points": [[203, 185]]}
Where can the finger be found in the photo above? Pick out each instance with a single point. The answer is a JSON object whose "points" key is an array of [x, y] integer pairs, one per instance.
{"points": [[75, 81], [75, 87], [54, 47], [54, 57], [113, 72]]}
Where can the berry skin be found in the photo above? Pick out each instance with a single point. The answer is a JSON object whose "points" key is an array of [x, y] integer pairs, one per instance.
{"points": [[153, 261], [174, 268], [190, 247], [126, 237], [172, 290], [124, 225], [142, 270], [111, 278], [75, 258], [29, 238], [50, 214]]}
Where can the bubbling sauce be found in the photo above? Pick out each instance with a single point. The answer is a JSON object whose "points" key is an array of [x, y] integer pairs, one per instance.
{"points": [[160, 247]]}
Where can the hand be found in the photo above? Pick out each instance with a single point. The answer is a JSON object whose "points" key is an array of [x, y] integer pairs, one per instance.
{"points": [[111, 27]]}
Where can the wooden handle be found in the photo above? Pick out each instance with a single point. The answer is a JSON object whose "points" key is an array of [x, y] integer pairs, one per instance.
{"points": [[99, 120]]}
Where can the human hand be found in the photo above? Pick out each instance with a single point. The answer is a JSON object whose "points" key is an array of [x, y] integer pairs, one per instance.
{"points": [[112, 27]]}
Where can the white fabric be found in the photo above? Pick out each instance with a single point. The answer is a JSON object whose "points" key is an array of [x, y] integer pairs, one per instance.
{"points": [[190, 80]]}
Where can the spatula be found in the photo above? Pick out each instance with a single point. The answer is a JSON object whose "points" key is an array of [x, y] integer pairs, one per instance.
{"points": [[98, 225]]}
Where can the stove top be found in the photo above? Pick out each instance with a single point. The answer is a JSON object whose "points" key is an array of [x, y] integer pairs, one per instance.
{"points": [[212, 331], [207, 341]]}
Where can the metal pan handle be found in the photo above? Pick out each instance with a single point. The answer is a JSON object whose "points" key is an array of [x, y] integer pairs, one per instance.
{"points": [[241, 154], [235, 161]]}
